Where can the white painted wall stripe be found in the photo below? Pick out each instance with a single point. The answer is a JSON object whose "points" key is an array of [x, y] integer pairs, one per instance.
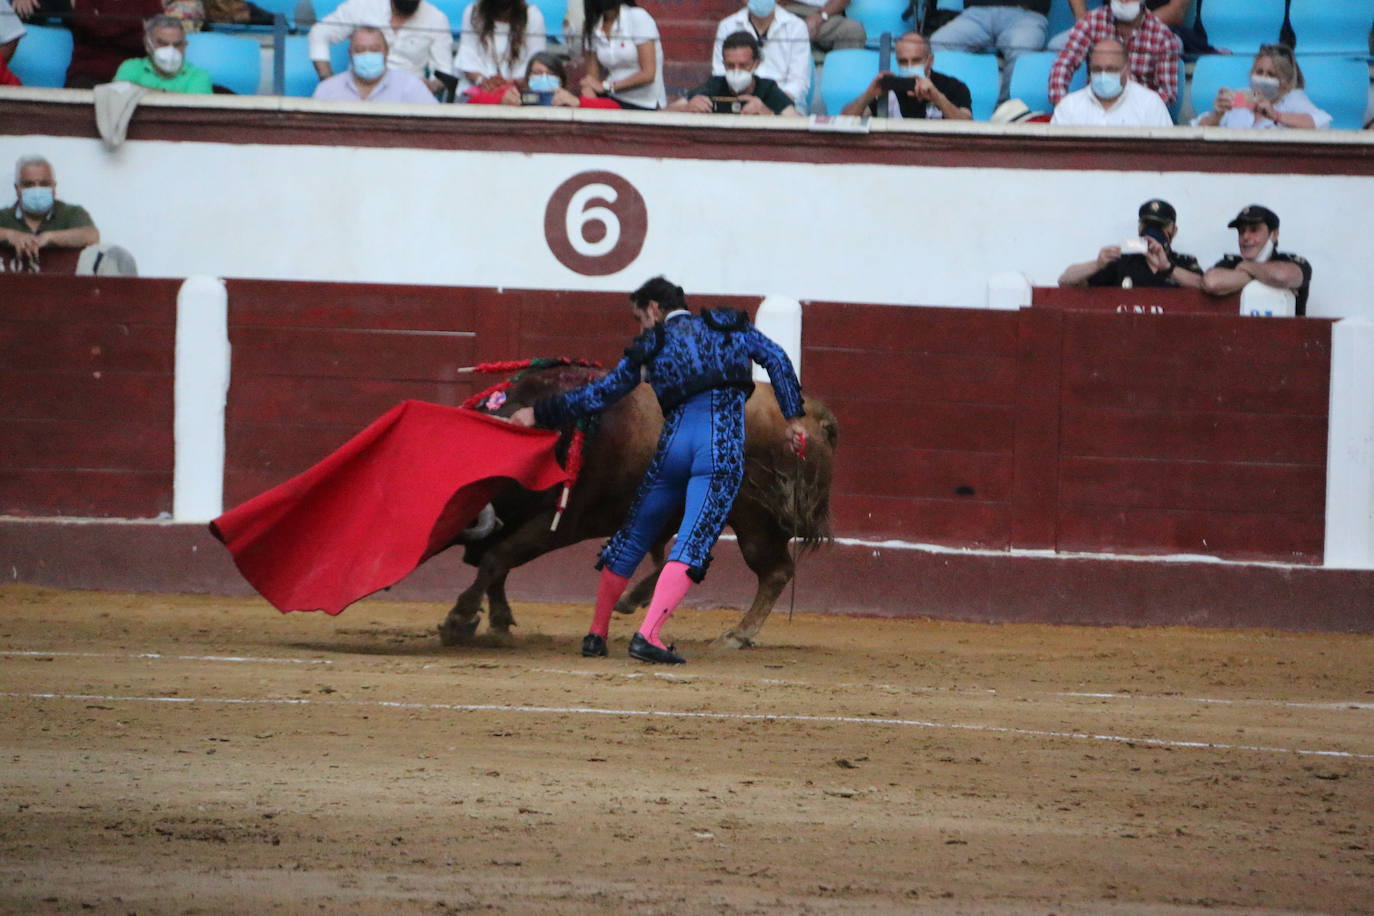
{"points": [[780, 319], [159, 655], [1350, 447], [724, 716], [201, 390]]}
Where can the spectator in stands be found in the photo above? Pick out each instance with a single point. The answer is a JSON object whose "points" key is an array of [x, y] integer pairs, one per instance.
{"points": [[627, 61], [105, 33], [165, 67], [547, 78], [1111, 98], [1152, 49], [826, 24], [417, 34], [11, 30], [1257, 236], [190, 13], [741, 90], [785, 44], [934, 95], [38, 219], [1158, 265], [1275, 97], [1013, 27], [1172, 13], [369, 79], [499, 38]]}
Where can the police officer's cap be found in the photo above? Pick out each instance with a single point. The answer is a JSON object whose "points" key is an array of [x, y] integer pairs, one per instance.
{"points": [[1158, 211], [1255, 214]]}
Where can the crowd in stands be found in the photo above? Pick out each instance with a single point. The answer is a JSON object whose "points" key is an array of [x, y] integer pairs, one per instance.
{"points": [[1119, 63]]}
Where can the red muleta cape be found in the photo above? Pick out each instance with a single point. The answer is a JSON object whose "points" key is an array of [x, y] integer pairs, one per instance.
{"points": [[392, 497]]}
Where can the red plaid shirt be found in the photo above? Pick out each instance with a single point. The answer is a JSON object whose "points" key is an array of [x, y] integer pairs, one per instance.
{"points": [[1152, 48]]}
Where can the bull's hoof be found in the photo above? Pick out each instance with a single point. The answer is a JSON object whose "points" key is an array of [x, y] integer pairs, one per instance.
{"points": [[457, 632], [732, 640], [625, 607]]}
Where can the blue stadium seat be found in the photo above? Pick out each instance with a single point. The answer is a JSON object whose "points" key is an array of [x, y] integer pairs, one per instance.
{"points": [[976, 71], [1332, 26], [1030, 79], [234, 62], [338, 56], [1061, 20], [453, 9], [555, 11], [879, 16], [1241, 26], [1339, 86], [323, 8], [301, 78], [1215, 71], [846, 73], [286, 7], [43, 55]]}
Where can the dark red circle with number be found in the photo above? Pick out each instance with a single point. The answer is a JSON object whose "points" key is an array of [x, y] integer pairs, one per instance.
{"points": [[627, 209]]}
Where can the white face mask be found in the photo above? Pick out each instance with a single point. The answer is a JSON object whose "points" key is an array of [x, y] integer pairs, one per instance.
{"points": [[1125, 12], [738, 80], [1266, 252], [167, 59]]}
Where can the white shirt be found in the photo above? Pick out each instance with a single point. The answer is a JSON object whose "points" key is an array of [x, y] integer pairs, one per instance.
{"points": [[10, 25], [618, 55], [425, 40], [490, 60], [1294, 102], [1137, 106], [786, 51]]}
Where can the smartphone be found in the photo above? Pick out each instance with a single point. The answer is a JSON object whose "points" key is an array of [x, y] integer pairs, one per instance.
{"points": [[536, 98], [898, 84], [726, 105], [1134, 246], [1241, 100]]}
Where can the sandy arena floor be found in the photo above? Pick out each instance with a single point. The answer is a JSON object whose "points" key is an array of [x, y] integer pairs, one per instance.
{"points": [[301, 763]]}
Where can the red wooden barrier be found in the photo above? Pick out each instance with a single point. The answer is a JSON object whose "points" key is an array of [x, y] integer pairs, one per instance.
{"points": [[1138, 301], [1040, 429]]}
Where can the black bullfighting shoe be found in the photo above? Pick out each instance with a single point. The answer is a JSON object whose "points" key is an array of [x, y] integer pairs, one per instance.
{"points": [[594, 646], [646, 651]]}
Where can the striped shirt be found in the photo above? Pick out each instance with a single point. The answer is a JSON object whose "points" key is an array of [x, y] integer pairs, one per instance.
{"points": [[1152, 50]]}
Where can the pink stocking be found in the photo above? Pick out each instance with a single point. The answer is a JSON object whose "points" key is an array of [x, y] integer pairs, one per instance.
{"points": [[607, 594], [672, 587]]}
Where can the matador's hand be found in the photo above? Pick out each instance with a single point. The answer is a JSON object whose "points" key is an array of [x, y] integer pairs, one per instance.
{"points": [[796, 438], [523, 417]]}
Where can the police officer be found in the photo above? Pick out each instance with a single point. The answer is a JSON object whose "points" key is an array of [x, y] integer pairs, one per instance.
{"points": [[1157, 265], [1257, 236]]}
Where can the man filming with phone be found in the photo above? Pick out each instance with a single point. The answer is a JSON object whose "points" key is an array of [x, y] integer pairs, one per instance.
{"points": [[915, 90], [739, 91], [1146, 260]]}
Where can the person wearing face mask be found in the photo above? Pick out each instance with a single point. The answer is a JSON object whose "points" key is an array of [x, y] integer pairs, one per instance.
{"points": [[1159, 265], [546, 79], [1275, 97], [783, 41], [38, 219], [1173, 13], [417, 33], [700, 367], [1111, 98], [1259, 260], [1152, 49], [369, 79], [934, 95], [165, 67], [741, 88]]}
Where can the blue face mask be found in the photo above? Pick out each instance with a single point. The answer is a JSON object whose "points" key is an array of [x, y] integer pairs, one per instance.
{"points": [[1106, 85], [369, 65], [543, 82], [917, 71], [762, 8], [36, 200]]}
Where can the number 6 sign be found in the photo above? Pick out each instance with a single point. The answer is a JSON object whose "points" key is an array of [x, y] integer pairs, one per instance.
{"points": [[595, 223]]}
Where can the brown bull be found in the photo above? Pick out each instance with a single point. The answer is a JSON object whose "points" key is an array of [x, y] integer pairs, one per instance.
{"points": [[781, 497]]}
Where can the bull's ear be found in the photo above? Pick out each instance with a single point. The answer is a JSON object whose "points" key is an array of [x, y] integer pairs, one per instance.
{"points": [[646, 346]]}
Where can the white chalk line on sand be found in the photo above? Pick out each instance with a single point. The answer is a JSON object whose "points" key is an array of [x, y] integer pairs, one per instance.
{"points": [[179, 658], [723, 716], [971, 691]]}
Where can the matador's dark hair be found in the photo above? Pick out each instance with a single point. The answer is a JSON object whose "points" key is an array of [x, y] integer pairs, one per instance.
{"points": [[668, 295]]}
